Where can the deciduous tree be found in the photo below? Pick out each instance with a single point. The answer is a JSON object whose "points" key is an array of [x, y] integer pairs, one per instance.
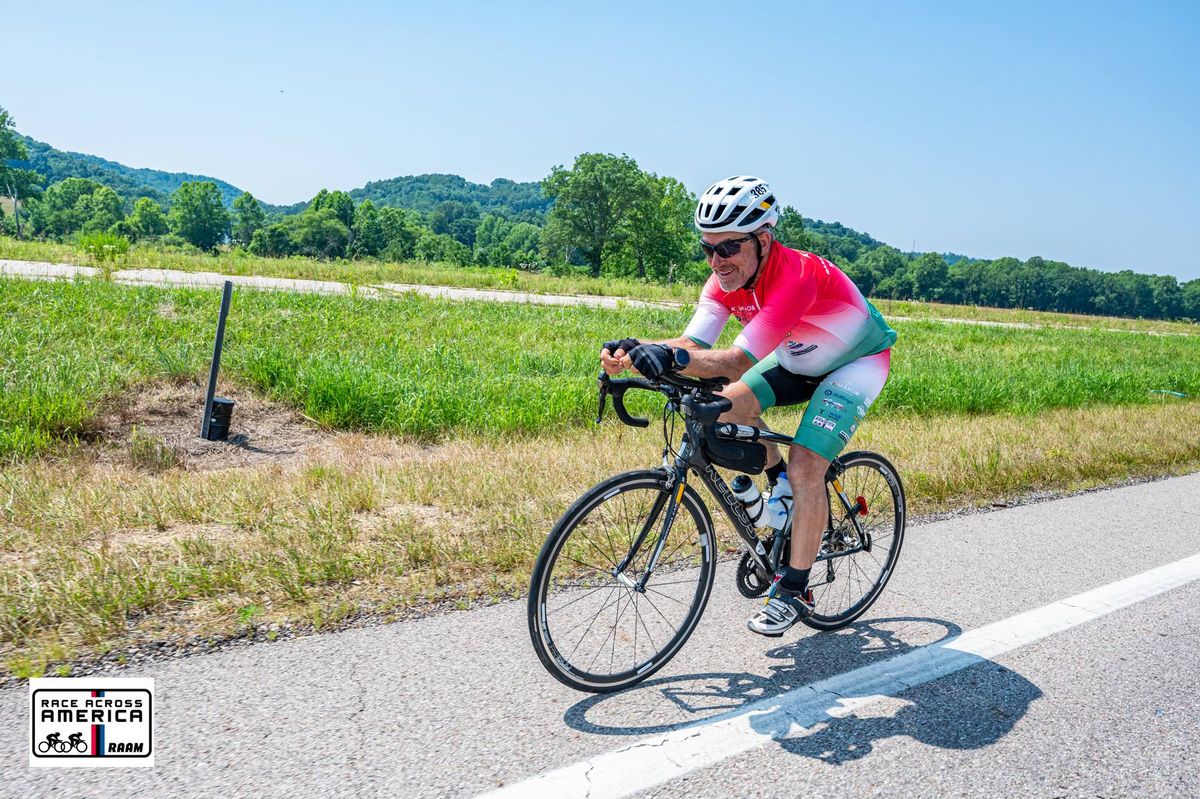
{"points": [[592, 201], [198, 215], [249, 217]]}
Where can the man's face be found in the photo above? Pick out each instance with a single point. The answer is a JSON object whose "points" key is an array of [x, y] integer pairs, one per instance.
{"points": [[733, 272]]}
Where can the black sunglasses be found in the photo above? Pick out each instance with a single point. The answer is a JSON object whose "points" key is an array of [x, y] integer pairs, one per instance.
{"points": [[725, 249]]}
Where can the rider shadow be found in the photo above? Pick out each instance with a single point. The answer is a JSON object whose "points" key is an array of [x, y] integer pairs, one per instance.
{"points": [[971, 707]]}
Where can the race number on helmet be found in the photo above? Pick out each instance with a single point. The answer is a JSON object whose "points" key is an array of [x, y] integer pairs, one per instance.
{"points": [[738, 204]]}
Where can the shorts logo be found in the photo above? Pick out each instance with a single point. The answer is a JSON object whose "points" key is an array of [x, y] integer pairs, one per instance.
{"points": [[91, 722], [823, 423], [833, 404], [844, 436], [861, 411]]}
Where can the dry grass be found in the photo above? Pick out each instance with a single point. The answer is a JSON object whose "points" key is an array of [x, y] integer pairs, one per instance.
{"points": [[96, 554]]}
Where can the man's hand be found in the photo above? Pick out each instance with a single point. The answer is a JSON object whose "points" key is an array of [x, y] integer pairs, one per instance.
{"points": [[614, 355], [652, 360]]}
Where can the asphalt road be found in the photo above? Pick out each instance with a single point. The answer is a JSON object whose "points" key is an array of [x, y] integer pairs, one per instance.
{"points": [[458, 705]]}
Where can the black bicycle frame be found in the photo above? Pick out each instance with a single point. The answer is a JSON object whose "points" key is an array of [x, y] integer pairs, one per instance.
{"points": [[691, 458]]}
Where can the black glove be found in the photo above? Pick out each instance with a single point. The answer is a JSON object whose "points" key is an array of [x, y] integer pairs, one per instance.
{"points": [[652, 360], [626, 344]]}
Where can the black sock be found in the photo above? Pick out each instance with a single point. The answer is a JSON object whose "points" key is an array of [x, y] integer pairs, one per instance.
{"points": [[793, 581], [773, 472]]}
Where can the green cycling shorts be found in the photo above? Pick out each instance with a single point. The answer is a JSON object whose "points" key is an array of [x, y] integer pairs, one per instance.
{"points": [[837, 401]]}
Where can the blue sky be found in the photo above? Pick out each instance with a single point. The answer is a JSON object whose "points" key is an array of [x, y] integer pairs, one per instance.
{"points": [[1066, 130]]}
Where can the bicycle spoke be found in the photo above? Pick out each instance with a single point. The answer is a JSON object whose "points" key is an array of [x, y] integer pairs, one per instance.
{"points": [[576, 599], [589, 627], [668, 596], [660, 613]]}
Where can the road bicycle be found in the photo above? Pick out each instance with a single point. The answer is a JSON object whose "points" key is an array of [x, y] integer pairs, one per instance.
{"points": [[626, 572]]}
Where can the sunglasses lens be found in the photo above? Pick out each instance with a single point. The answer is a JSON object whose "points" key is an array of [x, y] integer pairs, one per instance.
{"points": [[725, 249]]}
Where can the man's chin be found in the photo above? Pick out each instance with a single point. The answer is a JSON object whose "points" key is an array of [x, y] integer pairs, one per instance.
{"points": [[728, 283]]}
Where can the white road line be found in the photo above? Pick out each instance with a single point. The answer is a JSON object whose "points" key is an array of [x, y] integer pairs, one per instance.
{"points": [[656, 759]]}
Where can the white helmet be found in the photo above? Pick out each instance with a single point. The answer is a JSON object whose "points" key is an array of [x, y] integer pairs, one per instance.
{"points": [[739, 203]]}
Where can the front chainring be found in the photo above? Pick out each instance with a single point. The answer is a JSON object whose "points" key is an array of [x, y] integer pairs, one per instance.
{"points": [[750, 583]]}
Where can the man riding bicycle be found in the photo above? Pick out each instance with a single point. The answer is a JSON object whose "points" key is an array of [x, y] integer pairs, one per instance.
{"points": [[809, 335]]}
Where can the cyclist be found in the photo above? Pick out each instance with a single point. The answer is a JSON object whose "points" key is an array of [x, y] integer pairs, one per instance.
{"points": [[75, 739], [809, 335]]}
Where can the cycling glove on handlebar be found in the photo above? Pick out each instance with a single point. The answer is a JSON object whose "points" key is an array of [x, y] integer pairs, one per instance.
{"points": [[626, 344], [652, 360]]}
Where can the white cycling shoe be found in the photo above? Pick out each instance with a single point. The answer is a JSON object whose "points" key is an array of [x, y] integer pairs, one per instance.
{"points": [[780, 614]]}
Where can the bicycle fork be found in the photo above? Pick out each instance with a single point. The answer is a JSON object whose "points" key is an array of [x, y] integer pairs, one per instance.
{"points": [[670, 499]]}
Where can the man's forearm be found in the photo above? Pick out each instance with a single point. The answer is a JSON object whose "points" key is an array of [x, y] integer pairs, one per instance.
{"points": [[731, 363]]}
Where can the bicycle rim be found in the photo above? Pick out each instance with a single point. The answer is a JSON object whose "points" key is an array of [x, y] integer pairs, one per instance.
{"points": [[594, 632], [844, 586]]}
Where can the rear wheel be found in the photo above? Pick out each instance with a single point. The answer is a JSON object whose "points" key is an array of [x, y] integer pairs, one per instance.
{"points": [[595, 632], [845, 585]]}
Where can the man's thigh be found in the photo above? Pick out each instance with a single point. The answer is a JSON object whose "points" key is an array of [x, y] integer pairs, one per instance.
{"points": [[840, 403], [773, 385]]}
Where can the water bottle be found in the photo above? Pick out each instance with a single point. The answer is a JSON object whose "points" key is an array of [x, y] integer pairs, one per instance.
{"points": [[749, 495]]}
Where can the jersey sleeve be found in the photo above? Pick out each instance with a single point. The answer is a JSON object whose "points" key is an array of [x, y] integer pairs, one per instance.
{"points": [[788, 300], [709, 319]]}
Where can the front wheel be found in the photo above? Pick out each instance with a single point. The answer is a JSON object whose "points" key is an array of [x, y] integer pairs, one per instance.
{"points": [[596, 632], [845, 585]]}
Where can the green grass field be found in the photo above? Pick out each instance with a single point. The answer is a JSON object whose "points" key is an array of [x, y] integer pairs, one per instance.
{"points": [[426, 368], [374, 272]]}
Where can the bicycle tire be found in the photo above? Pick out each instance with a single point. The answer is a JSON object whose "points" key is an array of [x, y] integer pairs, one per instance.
{"points": [[609, 501], [872, 476]]}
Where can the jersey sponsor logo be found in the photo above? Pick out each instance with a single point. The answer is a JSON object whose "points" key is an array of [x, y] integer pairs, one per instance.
{"points": [[796, 348]]}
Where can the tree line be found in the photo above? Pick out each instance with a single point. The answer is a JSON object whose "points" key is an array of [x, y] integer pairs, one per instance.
{"points": [[603, 216]]}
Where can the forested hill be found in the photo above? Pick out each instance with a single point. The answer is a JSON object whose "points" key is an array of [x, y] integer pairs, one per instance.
{"points": [[127, 181], [519, 202]]}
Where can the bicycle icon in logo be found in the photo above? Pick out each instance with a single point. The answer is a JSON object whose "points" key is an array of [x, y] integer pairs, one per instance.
{"points": [[53, 742]]}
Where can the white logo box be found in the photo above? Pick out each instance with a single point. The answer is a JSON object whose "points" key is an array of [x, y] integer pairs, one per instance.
{"points": [[91, 722]]}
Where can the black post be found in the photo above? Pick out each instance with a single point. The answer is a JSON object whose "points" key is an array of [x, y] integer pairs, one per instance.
{"points": [[216, 359]]}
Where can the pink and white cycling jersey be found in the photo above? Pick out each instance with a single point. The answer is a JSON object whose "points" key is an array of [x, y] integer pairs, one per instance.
{"points": [[802, 307]]}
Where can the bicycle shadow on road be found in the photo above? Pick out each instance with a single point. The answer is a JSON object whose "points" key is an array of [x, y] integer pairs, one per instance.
{"points": [[969, 708]]}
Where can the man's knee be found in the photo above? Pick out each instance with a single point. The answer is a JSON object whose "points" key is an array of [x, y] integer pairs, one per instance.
{"points": [[746, 407], [805, 466]]}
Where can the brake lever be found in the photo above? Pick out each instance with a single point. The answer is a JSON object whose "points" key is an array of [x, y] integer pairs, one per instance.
{"points": [[605, 388]]}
